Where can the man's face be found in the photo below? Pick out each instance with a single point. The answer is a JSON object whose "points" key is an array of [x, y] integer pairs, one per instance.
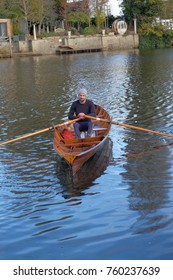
{"points": [[82, 97]]}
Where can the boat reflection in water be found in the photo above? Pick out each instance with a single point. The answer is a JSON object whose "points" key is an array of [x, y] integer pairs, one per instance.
{"points": [[74, 185]]}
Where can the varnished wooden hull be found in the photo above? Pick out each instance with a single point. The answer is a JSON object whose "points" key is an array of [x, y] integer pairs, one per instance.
{"points": [[74, 185], [77, 151]]}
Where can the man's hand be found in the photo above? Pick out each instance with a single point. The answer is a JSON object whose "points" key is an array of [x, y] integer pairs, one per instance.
{"points": [[81, 115]]}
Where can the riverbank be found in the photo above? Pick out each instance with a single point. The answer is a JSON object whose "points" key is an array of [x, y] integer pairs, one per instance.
{"points": [[54, 45]]}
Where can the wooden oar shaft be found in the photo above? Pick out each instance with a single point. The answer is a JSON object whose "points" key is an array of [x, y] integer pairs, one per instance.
{"points": [[131, 126], [143, 129], [23, 137], [38, 132]]}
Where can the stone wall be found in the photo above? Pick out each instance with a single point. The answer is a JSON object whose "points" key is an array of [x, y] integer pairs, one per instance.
{"points": [[5, 49], [119, 42], [51, 45], [107, 42], [46, 46], [82, 42]]}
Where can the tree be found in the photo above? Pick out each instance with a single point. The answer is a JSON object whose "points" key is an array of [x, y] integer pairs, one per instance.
{"points": [[42, 12], [22, 10], [167, 10], [143, 10], [98, 8], [8, 10], [146, 12], [3, 9], [78, 12], [73, 11], [79, 18]]}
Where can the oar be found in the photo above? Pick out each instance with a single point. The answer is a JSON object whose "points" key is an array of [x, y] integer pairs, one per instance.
{"points": [[38, 132], [130, 126]]}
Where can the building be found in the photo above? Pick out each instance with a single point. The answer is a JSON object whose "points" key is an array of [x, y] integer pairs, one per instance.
{"points": [[5, 29], [167, 23]]}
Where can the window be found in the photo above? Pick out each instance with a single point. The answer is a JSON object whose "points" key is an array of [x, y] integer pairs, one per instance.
{"points": [[3, 29]]}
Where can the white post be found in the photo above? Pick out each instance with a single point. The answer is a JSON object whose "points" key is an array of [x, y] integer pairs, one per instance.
{"points": [[69, 34], [135, 26], [34, 32], [103, 32]]}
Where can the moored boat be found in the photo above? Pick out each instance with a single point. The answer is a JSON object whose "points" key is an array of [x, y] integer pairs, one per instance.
{"points": [[76, 151]]}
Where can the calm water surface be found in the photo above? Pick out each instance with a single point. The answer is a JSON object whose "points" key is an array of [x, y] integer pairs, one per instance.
{"points": [[120, 206]]}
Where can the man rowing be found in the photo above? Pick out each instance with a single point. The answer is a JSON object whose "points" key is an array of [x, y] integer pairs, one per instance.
{"points": [[79, 109]]}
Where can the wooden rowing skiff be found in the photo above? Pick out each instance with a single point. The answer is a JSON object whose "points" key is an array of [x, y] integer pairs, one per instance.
{"points": [[77, 151], [74, 185]]}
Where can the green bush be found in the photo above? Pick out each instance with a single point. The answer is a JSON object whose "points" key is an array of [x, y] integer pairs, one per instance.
{"points": [[92, 30], [155, 42], [46, 35], [74, 31], [154, 36]]}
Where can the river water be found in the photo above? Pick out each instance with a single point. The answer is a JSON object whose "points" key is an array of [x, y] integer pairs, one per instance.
{"points": [[120, 206]]}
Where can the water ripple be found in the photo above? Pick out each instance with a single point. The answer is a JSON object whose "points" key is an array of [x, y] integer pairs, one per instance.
{"points": [[125, 202]]}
